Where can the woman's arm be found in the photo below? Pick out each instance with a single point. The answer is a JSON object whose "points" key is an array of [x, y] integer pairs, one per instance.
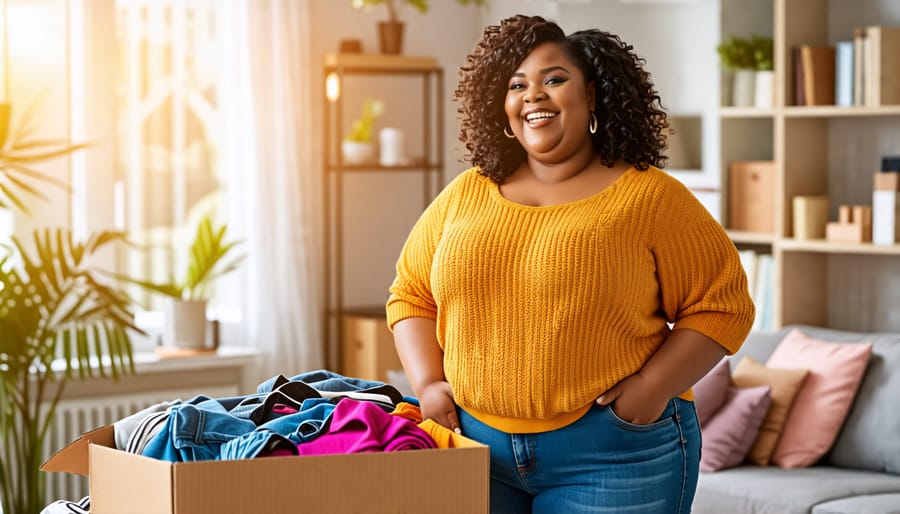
{"points": [[683, 359], [423, 361]]}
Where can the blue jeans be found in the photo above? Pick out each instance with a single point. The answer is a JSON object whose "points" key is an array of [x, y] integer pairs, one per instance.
{"points": [[598, 464]]}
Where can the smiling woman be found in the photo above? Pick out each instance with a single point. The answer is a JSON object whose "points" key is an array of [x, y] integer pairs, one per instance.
{"points": [[558, 300]]}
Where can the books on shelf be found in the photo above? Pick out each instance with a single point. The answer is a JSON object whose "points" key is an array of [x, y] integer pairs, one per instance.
{"points": [[843, 73], [864, 70], [882, 74], [859, 51], [759, 268], [814, 75]]}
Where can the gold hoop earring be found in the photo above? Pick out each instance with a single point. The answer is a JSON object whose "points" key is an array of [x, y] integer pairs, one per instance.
{"points": [[507, 134], [593, 124]]}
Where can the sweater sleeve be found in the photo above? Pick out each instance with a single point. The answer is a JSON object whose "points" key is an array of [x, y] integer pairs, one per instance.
{"points": [[702, 282], [411, 294]]}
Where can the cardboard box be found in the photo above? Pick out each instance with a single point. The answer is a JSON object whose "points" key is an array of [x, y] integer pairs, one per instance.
{"points": [[417, 481], [751, 196], [368, 349]]}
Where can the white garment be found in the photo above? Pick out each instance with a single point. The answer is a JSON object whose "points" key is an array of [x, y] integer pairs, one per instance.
{"points": [[82, 506]]}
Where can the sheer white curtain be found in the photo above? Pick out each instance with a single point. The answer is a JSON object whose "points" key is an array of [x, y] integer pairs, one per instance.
{"points": [[273, 179]]}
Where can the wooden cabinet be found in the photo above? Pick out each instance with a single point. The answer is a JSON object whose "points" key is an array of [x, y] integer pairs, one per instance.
{"points": [[817, 150], [418, 81], [368, 346]]}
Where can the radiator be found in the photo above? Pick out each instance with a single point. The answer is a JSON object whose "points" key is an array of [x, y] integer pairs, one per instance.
{"points": [[77, 416]]}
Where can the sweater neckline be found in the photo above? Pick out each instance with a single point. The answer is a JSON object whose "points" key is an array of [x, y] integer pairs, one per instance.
{"points": [[498, 196]]}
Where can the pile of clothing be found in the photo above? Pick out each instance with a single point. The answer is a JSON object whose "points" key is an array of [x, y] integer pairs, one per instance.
{"points": [[314, 413]]}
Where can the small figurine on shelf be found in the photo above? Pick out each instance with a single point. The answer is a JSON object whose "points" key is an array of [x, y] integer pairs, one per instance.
{"points": [[357, 147], [854, 225]]}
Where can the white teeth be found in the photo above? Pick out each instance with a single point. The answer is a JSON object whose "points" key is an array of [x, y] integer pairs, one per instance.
{"points": [[535, 116]]}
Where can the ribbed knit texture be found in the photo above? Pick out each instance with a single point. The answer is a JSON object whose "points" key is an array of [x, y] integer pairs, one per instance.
{"points": [[541, 309]]}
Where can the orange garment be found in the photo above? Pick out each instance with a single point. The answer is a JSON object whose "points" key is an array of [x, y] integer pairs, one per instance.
{"points": [[408, 411], [541, 309], [443, 437]]}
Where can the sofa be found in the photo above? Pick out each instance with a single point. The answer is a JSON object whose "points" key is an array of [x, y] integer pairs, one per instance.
{"points": [[859, 474]]}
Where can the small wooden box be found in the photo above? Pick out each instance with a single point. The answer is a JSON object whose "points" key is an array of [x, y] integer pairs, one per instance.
{"points": [[368, 350], [751, 197]]}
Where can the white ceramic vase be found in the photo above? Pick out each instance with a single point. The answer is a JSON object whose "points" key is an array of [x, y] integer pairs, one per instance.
{"points": [[764, 90], [355, 152], [185, 323], [743, 88]]}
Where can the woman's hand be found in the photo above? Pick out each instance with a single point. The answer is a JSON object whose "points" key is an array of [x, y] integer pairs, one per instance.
{"points": [[436, 402], [636, 399]]}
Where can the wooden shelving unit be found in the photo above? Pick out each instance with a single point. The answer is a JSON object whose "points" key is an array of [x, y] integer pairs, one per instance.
{"points": [[344, 67], [820, 150]]}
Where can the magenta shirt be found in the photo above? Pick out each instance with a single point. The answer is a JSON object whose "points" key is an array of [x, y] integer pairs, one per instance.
{"points": [[358, 426]]}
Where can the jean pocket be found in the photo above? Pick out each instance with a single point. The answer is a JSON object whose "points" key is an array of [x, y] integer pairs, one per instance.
{"points": [[664, 420]]}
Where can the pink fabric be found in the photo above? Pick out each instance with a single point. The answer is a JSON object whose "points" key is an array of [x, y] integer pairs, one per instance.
{"points": [[711, 391], [359, 426], [819, 410], [729, 434], [281, 408]]}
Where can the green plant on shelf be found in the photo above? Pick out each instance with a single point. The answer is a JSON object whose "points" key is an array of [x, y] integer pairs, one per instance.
{"points": [[362, 129], [753, 53]]}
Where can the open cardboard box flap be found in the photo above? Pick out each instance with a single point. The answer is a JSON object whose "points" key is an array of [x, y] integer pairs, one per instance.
{"points": [[74, 458]]}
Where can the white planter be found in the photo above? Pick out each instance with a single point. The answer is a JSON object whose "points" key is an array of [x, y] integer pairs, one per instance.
{"points": [[185, 325], [357, 153], [764, 89], [743, 88]]}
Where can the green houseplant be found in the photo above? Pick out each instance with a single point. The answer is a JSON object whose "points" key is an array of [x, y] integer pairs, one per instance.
{"points": [[188, 295], [743, 58], [390, 32], [357, 147], [57, 318]]}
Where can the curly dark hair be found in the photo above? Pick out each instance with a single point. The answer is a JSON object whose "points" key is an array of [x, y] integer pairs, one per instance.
{"points": [[632, 122]]}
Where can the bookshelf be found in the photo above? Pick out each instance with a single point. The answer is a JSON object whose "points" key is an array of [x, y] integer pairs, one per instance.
{"points": [[817, 150], [353, 332]]}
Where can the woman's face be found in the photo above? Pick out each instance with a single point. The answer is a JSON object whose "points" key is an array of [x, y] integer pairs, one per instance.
{"points": [[549, 105]]}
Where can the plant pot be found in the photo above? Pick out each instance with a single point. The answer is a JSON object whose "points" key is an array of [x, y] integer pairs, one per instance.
{"points": [[355, 152], [764, 91], [185, 325], [744, 87], [390, 37]]}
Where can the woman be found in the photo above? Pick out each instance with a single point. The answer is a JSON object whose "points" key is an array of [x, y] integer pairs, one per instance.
{"points": [[533, 298]]}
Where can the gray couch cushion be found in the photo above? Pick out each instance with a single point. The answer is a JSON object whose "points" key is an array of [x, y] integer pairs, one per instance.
{"points": [[864, 504], [756, 490], [870, 436]]}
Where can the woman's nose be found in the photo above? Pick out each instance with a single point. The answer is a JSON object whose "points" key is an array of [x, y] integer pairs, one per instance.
{"points": [[535, 94]]}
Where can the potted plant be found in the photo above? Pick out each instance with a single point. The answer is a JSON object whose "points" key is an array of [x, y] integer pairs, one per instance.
{"points": [[187, 297], [390, 32], [357, 146], [57, 318], [764, 77], [748, 62], [738, 60]]}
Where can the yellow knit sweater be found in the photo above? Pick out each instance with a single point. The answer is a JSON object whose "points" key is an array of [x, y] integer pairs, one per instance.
{"points": [[541, 309]]}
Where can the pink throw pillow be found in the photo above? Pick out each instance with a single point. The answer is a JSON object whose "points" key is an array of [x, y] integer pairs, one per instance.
{"points": [[819, 410], [711, 391], [729, 434]]}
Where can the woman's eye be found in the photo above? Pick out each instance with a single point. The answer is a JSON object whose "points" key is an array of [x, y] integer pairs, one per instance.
{"points": [[516, 85], [554, 80]]}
